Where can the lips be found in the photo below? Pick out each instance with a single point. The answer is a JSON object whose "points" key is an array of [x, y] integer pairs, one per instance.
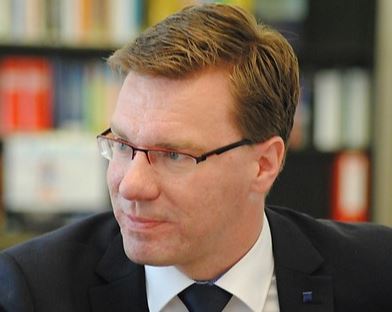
{"points": [[143, 223]]}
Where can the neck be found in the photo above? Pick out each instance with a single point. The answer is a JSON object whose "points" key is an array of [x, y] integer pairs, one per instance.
{"points": [[220, 262]]}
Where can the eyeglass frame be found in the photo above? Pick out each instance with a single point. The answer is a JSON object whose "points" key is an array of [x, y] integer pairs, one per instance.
{"points": [[198, 159]]}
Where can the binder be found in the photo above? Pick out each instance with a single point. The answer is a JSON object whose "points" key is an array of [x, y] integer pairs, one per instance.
{"points": [[25, 94], [328, 110], [350, 186]]}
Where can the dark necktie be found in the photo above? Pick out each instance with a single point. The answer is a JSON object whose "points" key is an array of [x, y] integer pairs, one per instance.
{"points": [[204, 298]]}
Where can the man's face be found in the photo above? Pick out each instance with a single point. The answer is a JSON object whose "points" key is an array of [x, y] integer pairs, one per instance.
{"points": [[206, 216]]}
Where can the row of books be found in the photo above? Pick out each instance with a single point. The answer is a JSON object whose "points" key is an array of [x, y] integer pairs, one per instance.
{"points": [[335, 111], [84, 22], [70, 22], [38, 93]]}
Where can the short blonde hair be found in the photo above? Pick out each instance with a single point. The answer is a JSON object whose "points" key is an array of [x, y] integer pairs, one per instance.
{"points": [[262, 65]]}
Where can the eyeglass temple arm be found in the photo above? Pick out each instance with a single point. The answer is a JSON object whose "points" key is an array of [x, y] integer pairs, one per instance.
{"points": [[223, 149]]}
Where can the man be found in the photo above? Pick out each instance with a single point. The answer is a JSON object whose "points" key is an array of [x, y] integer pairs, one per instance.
{"points": [[198, 136]]}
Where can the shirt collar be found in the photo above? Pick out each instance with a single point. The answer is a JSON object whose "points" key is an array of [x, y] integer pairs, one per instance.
{"points": [[164, 283], [250, 278], [253, 272]]}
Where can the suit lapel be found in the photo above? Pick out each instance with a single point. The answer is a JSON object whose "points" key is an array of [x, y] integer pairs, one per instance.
{"points": [[125, 288], [302, 284]]}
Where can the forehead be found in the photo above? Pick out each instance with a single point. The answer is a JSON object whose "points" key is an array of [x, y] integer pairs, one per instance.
{"points": [[152, 108]]}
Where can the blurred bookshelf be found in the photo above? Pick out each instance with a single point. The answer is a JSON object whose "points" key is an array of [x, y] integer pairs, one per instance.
{"points": [[56, 94], [328, 172]]}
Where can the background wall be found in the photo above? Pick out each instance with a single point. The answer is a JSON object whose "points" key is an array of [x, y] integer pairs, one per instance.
{"points": [[383, 116]]}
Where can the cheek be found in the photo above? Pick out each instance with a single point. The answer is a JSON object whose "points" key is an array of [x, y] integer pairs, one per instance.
{"points": [[113, 178], [226, 191], [204, 198]]}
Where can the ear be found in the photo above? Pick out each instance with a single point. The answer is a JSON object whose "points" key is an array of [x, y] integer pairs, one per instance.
{"points": [[270, 155]]}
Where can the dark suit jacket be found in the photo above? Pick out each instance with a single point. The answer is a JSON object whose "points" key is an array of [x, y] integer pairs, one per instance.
{"points": [[83, 267]]}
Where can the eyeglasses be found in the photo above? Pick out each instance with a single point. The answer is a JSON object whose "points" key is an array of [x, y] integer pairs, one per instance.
{"points": [[163, 161]]}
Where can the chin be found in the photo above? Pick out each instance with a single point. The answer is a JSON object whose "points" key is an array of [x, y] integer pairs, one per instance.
{"points": [[144, 253]]}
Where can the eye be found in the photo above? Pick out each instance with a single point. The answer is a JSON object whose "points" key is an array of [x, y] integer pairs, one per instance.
{"points": [[120, 147], [170, 161], [170, 156], [173, 155]]}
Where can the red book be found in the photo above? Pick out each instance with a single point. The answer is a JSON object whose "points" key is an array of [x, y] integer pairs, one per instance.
{"points": [[35, 101], [351, 176], [25, 94], [8, 95]]}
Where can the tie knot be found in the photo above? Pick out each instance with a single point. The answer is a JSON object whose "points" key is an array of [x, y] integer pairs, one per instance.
{"points": [[204, 298]]}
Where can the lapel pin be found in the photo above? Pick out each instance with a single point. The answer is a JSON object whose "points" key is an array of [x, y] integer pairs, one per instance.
{"points": [[307, 297]]}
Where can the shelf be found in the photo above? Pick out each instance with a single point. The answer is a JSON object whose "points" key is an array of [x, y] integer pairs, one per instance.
{"points": [[89, 51]]}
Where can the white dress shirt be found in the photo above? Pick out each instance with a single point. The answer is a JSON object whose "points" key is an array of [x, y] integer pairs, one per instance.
{"points": [[251, 281]]}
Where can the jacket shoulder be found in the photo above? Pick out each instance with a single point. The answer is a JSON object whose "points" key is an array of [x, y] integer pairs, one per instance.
{"points": [[95, 232], [352, 244], [356, 257], [57, 268], [331, 229]]}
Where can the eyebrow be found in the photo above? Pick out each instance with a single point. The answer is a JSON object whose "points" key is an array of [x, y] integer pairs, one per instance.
{"points": [[117, 132], [178, 146], [181, 146]]}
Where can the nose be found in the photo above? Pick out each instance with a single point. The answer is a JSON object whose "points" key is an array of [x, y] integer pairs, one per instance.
{"points": [[139, 180]]}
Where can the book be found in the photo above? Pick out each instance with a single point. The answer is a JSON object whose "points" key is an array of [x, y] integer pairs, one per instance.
{"points": [[5, 20], [350, 186], [281, 10], [327, 133], [34, 14], [300, 134], [35, 94], [157, 10], [356, 108], [113, 83], [248, 5], [18, 20], [25, 94], [70, 22], [94, 104], [8, 95], [100, 32], [68, 89], [125, 20], [52, 20]]}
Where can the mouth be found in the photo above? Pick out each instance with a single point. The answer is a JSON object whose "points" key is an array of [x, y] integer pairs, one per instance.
{"points": [[141, 223]]}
